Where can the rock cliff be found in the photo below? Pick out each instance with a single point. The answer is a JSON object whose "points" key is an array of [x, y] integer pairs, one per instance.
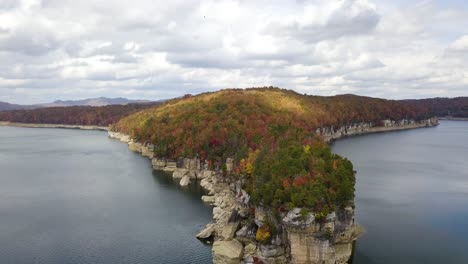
{"points": [[332, 133]]}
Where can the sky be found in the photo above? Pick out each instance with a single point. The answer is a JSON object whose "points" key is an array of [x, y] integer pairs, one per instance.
{"points": [[158, 49]]}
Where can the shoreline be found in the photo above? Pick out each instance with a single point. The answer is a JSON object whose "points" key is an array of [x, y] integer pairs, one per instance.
{"points": [[63, 126], [362, 129], [380, 130], [453, 118]]}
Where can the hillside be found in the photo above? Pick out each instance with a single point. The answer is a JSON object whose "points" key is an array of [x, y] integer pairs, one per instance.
{"points": [[271, 135], [73, 115], [221, 122]]}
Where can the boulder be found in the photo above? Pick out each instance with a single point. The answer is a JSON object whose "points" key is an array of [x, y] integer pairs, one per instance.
{"points": [[192, 174], [207, 232], [208, 199], [227, 252], [179, 173], [296, 219], [170, 166], [158, 163], [250, 249], [229, 164], [185, 181], [135, 146], [205, 174], [216, 212], [268, 251], [147, 151], [260, 215], [243, 231], [229, 230]]}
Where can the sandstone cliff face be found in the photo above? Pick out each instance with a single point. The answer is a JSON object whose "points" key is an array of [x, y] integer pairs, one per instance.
{"points": [[332, 133], [328, 241]]}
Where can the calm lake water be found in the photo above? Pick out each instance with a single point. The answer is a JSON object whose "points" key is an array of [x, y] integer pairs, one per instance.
{"points": [[70, 196], [411, 194]]}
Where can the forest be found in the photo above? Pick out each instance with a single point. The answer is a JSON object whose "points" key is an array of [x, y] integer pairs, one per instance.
{"points": [[270, 132], [73, 115], [443, 107]]}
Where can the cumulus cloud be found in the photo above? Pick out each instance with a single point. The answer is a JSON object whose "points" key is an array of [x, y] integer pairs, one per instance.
{"points": [[62, 49], [460, 45], [332, 20]]}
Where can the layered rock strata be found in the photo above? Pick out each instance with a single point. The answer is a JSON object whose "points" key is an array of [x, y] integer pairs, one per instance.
{"points": [[333, 133]]}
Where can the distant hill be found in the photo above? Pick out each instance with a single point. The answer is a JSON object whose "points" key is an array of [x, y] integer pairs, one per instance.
{"points": [[7, 106], [100, 101]]}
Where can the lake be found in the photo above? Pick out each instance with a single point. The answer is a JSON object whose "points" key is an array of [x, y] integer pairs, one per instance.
{"points": [[411, 194], [72, 196]]}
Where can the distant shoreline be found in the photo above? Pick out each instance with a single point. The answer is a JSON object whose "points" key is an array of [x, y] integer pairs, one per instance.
{"points": [[33, 125], [342, 133], [453, 118]]}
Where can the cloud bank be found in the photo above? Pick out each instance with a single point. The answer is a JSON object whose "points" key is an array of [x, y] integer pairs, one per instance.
{"points": [[62, 49]]}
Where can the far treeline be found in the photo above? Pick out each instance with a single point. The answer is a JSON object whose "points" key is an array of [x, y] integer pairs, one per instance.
{"points": [[443, 107], [74, 115]]}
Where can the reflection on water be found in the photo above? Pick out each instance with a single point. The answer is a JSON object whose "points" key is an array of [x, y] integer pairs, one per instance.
{"points": [[69, 196], [411, 194]]}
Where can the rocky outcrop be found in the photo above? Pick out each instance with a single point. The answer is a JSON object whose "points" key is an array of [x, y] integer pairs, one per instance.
{"points": [[208, 199], [207, 232], [184, 181], [333, 133], [227, 252], [326, 241]]}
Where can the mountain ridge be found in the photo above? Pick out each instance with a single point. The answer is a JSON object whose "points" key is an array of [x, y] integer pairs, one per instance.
{"points": [[97, 101]]}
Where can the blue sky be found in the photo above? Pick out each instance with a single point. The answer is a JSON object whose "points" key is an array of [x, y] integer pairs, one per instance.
{"points": [[67, 49]]}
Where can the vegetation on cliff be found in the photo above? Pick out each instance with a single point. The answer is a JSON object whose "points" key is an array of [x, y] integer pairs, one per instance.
{"points": [[73, 115], [270, 133]]}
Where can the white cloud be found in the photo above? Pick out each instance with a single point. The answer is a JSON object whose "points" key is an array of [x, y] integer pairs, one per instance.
{"points": [[61, 49], [460, 45]]}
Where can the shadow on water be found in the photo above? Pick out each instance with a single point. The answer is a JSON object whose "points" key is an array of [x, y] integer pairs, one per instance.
{"points": [[193, 190]]}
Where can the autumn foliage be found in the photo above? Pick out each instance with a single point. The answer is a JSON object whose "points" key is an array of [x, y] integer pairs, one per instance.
{"points": [[271, 133], [230, 122]]}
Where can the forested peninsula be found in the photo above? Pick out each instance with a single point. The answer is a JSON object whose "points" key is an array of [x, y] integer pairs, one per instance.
{"points": [[279, 194]]}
